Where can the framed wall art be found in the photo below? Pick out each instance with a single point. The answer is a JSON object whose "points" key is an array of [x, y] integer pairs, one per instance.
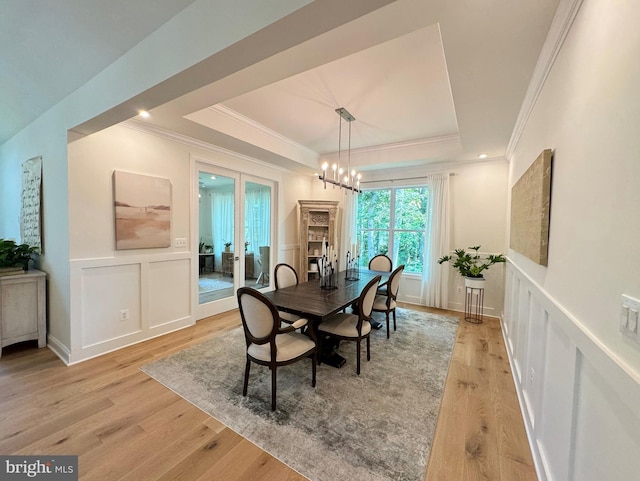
{"points": [[530, 210], [142, 206]]}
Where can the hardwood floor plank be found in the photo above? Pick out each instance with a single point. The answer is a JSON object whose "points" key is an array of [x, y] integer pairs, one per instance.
{"points": [[126, 427]]}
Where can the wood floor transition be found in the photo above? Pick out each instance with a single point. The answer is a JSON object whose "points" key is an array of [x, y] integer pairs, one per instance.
{"points": [[127, 427]]}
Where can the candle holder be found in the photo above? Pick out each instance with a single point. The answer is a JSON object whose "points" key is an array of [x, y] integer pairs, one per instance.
{"points": [[329, 274], [353, 268]]}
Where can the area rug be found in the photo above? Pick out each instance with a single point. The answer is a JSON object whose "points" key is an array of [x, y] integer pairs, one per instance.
{"points": [[374, 427], [208, 284]]}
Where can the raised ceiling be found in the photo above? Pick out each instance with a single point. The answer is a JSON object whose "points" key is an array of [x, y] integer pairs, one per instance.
{"points": [[428, 82]]}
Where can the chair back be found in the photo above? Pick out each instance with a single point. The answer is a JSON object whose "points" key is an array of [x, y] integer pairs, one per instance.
{"points": [[264, 258], [260, 317], [285, 276], [367, 296], [381, 263], [394, 282]]}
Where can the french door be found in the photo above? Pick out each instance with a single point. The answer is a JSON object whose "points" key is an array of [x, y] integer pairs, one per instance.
{"points": [[234, 213]]}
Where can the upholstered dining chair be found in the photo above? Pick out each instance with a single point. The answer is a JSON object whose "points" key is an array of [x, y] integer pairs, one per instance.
{"points": [[387, 302], [267, 343], [353, 327], [286, 276], [381, 263]]}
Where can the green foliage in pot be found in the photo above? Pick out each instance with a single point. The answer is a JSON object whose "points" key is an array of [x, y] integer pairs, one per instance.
{"points": [[471, 264], [12, 254]]}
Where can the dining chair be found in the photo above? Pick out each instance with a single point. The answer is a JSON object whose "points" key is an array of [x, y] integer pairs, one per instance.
{"points": [[352, 327], [387, 302], [286, 276], [268, 344], [381, 263]]}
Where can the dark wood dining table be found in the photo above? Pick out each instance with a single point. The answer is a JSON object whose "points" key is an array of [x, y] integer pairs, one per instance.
{"points": [[311, 301]]}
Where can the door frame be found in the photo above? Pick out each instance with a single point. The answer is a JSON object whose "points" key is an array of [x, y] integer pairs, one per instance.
{"points": [[198, 164]]}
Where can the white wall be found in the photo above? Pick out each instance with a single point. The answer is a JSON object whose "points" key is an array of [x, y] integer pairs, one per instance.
{"points": [[577, 375], [478, 217], [194, 35], [155, 285]]}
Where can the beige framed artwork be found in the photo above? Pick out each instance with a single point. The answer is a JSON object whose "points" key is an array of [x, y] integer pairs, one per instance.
{"points": [[142, 206], [530, 210]]}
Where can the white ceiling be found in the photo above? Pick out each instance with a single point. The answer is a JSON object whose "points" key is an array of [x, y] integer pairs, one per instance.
{"points": [[428, 81]]}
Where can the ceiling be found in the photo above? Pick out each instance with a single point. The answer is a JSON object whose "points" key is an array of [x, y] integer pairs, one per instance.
{"points": [[427, 81]]}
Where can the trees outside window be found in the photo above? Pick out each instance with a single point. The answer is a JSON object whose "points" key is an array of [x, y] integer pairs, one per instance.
{"points": [[393, 222]]}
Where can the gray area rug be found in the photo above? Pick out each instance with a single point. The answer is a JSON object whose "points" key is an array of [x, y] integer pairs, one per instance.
{"points": [[207, 284], [376, 426]]}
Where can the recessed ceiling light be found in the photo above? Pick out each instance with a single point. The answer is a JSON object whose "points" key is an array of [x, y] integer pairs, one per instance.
{"points": [[213, 177], [483, 156], [144, 114]]}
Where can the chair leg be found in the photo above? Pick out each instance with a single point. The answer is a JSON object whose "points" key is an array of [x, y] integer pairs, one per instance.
{"points": [[387, 313], [273, 388], [394, 319], [314, 359], [246, 377], [358, 357], [368, 348], [319, 349]]}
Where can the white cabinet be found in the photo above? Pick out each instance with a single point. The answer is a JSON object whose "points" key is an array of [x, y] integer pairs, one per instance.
{"points": [[23, 308], [317, 222]]}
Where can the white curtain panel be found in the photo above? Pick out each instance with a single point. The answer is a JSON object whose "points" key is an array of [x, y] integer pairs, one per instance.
{"points": [[257, 218], [436, 277], [222, 209]]}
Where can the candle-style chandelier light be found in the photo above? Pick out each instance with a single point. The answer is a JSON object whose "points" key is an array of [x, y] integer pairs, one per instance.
{"points": [[348, 179]]}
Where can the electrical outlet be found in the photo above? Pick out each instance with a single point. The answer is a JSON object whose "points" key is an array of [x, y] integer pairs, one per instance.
{"points": [[124, 315], [181, 242]]}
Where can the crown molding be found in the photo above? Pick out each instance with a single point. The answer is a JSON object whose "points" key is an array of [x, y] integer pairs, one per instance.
{"points": [[560, 27], [191, 142], [252, 124]]}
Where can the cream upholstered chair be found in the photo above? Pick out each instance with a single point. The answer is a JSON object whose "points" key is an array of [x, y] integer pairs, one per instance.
{"points": [[381, 263], [387, 302], [267, 343], [353, 327], [286, 276]]}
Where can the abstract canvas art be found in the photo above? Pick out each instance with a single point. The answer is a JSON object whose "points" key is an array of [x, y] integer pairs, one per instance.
{"points": [[530, 210], [142, 211]]}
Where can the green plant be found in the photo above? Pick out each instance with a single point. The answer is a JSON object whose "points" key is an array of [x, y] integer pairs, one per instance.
{"points": [[12, 254], [470, 264], [227, 244]]}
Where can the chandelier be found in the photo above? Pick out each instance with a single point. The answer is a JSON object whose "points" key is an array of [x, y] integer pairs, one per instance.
{"points": [[345, 179]]}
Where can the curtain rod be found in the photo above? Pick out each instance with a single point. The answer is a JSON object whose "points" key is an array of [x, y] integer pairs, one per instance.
{"points": [[451, 174]]}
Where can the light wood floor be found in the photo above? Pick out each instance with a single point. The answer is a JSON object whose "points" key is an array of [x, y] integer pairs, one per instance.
{"points": [[126, 426]]}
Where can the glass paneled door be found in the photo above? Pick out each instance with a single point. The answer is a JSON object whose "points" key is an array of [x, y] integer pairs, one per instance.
{"points": [[257, 232], [234, 217], [217, 220]]}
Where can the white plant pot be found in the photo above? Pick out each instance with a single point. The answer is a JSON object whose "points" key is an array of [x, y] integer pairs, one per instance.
{"points": [[474, 282]]}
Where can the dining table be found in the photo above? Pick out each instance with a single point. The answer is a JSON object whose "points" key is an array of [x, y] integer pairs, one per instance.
{"points": [[317, 304]]}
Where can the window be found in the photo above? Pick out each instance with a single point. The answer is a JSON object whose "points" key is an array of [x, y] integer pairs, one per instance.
{"points": [[393, 222]]}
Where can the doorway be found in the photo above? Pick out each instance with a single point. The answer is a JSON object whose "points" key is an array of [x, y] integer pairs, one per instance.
{"points": [[235, 231]]}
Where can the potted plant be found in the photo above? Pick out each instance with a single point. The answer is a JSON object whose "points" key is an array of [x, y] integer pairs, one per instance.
{"points": [[15, 255], [246, 245], [227, 246], [470, 265]]}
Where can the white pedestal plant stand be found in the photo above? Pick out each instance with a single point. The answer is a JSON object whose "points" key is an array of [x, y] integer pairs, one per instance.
{"points": [[474, 299]]}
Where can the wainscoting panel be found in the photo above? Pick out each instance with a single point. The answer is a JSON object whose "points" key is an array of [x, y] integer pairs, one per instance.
{"points": [[106, 291], [155, 290], [581, 407], [169, 291]]}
